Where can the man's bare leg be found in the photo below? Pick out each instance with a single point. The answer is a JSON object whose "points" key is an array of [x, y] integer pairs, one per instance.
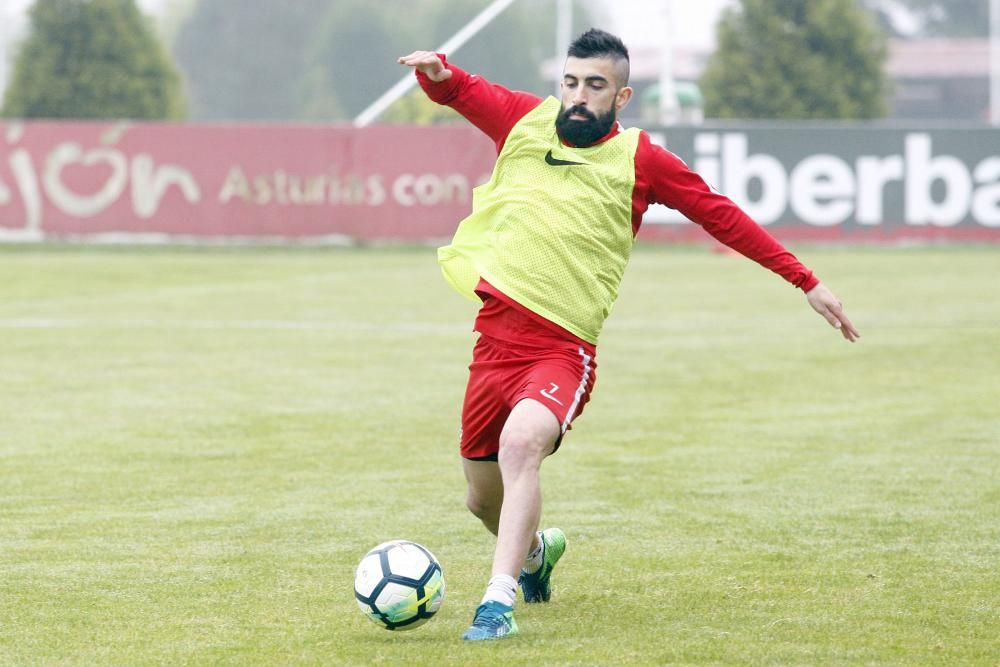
{"points": [[484, 496], [528, 436], [507, 498]]}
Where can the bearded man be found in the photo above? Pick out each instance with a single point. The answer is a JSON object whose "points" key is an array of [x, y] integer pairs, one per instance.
{"points": [[544, 251]]}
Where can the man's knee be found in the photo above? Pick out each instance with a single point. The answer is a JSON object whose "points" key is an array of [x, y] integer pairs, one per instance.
{"points": [[523, 448], [527, 442], [483, 507]]}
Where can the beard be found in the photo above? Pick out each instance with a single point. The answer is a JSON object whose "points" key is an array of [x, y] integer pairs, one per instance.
{"points": [[584, 132]]}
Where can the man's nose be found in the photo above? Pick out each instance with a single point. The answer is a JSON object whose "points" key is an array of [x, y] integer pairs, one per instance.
{"points": [[579, 98]]}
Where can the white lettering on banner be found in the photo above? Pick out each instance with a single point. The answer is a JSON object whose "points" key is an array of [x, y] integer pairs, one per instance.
{"points": [[922, 171], [738, 169], [986, 202], [707, 147], [873, 175], [430, 189], [824, 189], [84, 206], [282, 188], [27, 184], [149, 186], [149, 182], [376, 191], [4, 194], [24, 175]]}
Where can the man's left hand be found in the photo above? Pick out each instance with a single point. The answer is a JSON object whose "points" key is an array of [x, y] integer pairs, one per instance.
{"points": [[826, 304]]}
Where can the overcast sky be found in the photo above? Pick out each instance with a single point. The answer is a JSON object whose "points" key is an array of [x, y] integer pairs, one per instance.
{"points": [[693, 20], [642, 22]]}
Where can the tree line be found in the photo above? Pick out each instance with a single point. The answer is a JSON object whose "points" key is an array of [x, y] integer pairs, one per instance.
{"points": [[317, 60]]}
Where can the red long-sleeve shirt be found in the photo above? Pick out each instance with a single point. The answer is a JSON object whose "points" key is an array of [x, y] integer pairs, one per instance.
{"points": [[660, 178]]}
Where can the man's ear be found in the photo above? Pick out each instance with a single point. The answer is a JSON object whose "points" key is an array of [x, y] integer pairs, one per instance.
{"points": [[622, 98]]}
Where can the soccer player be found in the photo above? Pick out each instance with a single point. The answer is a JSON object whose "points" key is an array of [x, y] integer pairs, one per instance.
{"points": [[544, 251]]}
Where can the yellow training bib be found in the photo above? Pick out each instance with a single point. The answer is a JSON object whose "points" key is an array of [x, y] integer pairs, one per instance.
{"points": [[552, 229]]}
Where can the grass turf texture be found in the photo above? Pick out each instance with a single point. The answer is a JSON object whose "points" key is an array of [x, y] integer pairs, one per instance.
{"points": [[197, 447]]}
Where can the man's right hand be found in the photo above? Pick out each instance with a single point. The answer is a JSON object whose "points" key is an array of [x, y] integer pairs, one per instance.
{"points": [[427, 62]]}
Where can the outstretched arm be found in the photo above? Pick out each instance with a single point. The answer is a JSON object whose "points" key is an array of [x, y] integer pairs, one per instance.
{"points": [[826, 304], [489, 106], [665, 179]]}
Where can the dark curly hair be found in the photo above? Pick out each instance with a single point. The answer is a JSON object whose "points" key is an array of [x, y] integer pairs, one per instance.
{"points": [[597, 43]]}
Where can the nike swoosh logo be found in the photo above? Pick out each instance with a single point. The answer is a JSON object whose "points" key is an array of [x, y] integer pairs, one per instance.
{"points": [[555, 387], [556, 162]]}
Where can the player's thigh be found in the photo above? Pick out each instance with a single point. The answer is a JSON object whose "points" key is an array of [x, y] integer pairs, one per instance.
{"points": [[485, 408], [562, 384]]}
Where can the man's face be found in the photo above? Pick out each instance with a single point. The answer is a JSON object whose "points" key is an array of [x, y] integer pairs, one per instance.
{"points": [[593, 92]]}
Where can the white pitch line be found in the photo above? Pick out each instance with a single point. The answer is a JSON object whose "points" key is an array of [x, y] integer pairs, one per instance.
{"points": [[394, 328], [226, 325]]}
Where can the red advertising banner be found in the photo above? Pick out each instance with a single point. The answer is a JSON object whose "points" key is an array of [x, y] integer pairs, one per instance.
{"points": [[171, 181], [149, 182]]}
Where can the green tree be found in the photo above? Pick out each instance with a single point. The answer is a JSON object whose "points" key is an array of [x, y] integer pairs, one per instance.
{"points": [[322, 60], [790, 59], [417, 109], [361, 65], [244, 61], [351, 59], [174, 15], [92, 59]]}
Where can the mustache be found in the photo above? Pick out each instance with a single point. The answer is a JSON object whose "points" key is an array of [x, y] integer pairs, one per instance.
{"points": [[581, 111]]}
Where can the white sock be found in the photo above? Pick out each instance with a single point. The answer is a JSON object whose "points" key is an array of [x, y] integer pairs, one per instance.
{"points": [[502, 588], [534, 560]]}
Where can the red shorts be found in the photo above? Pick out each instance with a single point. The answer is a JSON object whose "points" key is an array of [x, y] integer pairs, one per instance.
{"points": [[502, 374]]}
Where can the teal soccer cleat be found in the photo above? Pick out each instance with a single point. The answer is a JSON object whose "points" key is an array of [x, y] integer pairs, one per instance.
{"points": [[493, 620], [536, 586]]}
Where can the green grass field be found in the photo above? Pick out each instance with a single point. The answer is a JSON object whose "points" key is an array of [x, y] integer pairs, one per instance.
{"points": [[197, 447]]}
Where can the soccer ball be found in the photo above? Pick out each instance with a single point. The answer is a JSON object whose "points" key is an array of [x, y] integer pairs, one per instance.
{"points": [[399, 585]]}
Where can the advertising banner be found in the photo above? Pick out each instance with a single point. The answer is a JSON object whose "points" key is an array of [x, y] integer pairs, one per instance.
{"points": [[848, 182], [172, 181], [188, 182]]}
